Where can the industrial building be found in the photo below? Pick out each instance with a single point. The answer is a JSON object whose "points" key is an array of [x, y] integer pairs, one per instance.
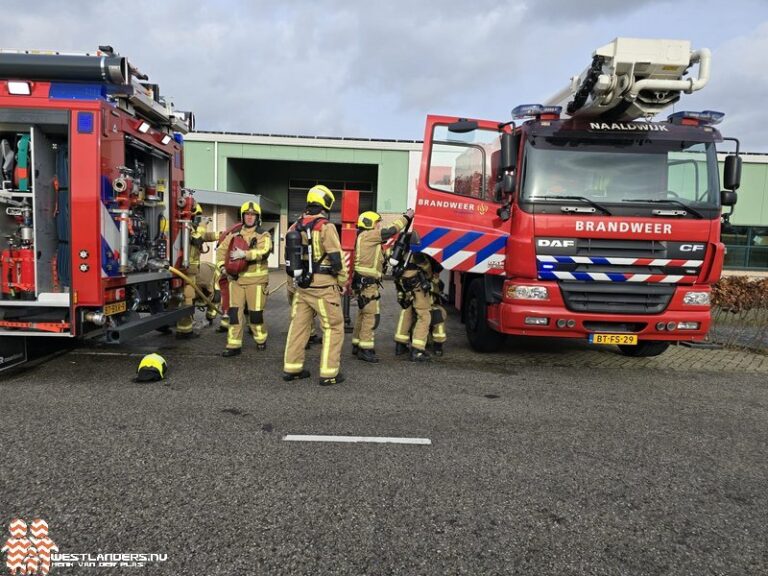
{"points": [[227, 168]]}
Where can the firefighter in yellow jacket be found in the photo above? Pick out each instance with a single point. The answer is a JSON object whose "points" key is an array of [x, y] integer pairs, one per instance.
{"points": [[369, 267], [249, 289], [438, 316], [198, 238], [415, 291], [313, 256]]}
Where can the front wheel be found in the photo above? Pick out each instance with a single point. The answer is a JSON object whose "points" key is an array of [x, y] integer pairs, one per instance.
{"points": [[481, 336], [644, 349]]}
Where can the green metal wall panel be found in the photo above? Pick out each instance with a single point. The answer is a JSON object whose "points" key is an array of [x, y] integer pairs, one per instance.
{"points": [[393, 181], [199, 165], [752, 206]]}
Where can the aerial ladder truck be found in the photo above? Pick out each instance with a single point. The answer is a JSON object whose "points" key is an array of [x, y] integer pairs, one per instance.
{"points": [[584, 217], [93, 210]]}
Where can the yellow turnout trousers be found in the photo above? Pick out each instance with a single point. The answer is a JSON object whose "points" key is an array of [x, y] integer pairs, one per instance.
{"points": [[325, 302]]}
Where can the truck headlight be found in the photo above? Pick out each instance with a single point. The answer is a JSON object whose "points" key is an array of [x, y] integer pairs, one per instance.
{"points": [[696, 298], [528, 293]]}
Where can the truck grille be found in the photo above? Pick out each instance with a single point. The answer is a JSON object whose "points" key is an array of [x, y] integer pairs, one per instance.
{"points": [[621, 248], [621, 298]]}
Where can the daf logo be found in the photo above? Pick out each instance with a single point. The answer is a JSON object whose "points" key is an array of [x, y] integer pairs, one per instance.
{"points": [[692, 248], [555, 243]]}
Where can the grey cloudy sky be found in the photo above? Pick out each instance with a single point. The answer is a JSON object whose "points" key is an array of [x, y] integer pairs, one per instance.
{"points": [[376, 69]]}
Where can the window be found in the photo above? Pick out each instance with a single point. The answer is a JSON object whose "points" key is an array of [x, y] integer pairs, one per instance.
{"points": [[615, 173], [465, 163], [747, 247]]}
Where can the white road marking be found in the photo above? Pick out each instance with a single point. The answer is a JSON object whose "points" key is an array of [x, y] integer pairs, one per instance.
{"points": [[373, 439]]}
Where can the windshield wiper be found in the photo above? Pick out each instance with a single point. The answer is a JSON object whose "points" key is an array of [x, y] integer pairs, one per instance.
{"points": [[592, 203], [682, 205]]}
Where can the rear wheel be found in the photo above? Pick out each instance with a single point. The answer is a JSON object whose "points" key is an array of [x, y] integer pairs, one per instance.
{"points": [[481, 336], [644, 349]]}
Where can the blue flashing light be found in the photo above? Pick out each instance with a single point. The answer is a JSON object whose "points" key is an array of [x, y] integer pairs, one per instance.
{"points": [[85, 122], [66, 91], [526, 110], [705, 117], [179, 138], [535, 110]]}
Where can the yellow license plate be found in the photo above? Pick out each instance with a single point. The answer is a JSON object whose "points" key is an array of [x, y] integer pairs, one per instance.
{"points": [[115, 308], [623, 339]]}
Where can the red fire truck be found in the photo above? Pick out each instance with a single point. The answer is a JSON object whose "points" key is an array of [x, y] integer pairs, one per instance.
{"points": [[92, 205], [594, 222]]}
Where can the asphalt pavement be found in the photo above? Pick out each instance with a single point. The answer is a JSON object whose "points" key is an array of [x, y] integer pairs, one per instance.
{"points": [[550, 457]]}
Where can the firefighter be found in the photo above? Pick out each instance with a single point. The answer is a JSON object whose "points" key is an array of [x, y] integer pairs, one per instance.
{"points": [[438, 317], [314, 338], [415, 291], [369, 265], [250, 288], [317, 293], [198, 238], [438, 314]]}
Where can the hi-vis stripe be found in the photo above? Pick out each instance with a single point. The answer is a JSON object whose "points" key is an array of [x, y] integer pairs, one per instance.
{"points": [[621, 261], [547, 271], [615, 277], [464, 251]]}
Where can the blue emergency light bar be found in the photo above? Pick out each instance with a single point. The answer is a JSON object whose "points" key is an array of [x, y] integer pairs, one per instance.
{"points": [[705, 117], [525, 110]]}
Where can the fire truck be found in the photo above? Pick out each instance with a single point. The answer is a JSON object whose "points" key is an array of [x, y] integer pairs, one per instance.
{"points": [[582, 217], [93, 212]]}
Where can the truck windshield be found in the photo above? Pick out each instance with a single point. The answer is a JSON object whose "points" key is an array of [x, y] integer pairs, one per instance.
{"points": [[636, 171]]}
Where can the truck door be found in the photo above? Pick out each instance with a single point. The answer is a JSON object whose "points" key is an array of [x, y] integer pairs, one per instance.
{"points": [[457, 203]]}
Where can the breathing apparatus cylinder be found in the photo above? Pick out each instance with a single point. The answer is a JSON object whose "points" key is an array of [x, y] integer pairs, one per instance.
{"points": [[294, 264]]}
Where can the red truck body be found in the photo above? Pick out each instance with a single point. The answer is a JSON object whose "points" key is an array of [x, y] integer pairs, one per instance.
{"points": [[96, 170], [587, 238]]}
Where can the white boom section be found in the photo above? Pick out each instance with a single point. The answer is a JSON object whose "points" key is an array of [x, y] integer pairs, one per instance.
{"points": [[633, 78]]}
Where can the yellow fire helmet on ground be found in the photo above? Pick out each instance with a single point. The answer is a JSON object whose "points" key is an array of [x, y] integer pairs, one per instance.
{"points": [[151, 368], [367, 220], [321, 195]]}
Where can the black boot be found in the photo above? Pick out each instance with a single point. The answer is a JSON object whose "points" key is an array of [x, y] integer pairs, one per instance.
{"points": [[229, 352], [400, 348], [222, 328], [419, 355], [355, 349], [367, 356], [437, 348], [187, 335], [338, 379], [288, 377]]}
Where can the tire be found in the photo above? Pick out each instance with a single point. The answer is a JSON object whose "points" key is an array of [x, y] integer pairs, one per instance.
{"points": [[481, 336], [644, 349]]}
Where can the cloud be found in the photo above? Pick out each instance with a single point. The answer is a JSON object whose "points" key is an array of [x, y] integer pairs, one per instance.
{"points": [[739, 87], [343, 68]]}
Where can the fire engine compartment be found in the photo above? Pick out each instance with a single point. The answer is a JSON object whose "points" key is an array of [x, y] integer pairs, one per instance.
{"points": [[35, 269]]}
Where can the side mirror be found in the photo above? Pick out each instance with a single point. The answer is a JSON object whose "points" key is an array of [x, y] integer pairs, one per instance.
{"points": [[508, 183], [732, 174], [728, 197], [508, 151], [504, 187]]}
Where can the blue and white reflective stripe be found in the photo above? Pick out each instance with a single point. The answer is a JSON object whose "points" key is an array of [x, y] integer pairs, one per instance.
{"points": [[606, 261]]}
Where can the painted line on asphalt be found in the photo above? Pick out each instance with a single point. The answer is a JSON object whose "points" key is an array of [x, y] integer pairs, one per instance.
{"points": [[353, 439]]}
